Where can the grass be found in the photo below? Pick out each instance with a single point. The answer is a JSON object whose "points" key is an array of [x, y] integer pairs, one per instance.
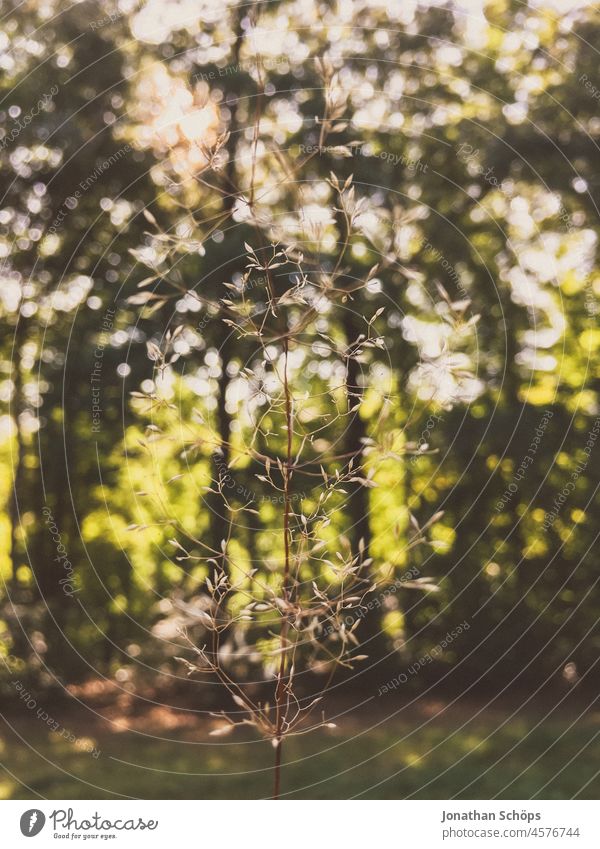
{"points": [[433, 752]]}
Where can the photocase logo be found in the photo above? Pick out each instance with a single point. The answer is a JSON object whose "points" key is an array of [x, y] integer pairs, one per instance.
{"points": [[32, 822]]}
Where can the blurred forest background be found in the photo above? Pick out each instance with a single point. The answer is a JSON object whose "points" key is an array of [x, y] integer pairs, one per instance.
{"points": [[472, 133]]}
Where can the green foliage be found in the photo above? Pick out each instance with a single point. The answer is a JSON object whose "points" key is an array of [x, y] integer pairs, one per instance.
{"points": [[475, 197]]}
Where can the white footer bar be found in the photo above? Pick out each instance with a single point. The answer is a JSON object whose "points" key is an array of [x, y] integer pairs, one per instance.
{"points": [[298, 824]]}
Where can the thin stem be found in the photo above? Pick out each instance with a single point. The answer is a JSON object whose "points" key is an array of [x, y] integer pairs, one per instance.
{"points": [[277, 768], [280, 689]]}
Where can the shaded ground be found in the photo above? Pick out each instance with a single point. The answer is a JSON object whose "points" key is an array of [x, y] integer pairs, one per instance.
{"points": [[435, 750]]}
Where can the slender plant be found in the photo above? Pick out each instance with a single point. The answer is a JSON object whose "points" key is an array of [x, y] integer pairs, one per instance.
{"points": [[299, 609]]}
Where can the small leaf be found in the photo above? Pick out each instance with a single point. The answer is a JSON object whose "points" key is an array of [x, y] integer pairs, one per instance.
{"points": [[154, 352], [222, 731], [140, 298]]}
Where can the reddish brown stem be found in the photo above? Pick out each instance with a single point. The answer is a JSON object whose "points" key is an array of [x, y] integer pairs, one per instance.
{"points": [[277, 769]]}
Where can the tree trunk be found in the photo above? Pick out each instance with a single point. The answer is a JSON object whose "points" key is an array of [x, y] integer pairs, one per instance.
{"points": [[19, 455]]}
